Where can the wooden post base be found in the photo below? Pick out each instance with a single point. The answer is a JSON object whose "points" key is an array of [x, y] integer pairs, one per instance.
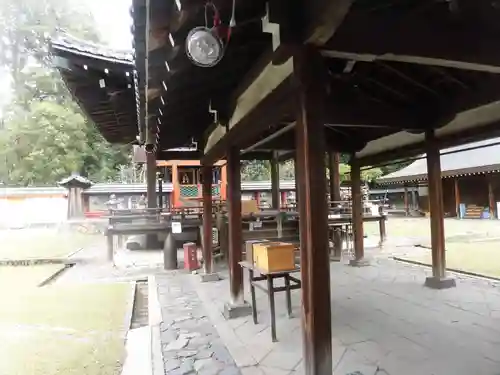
{"points": [[359, 263], [440, 283], [232, 311], [209, 277]]}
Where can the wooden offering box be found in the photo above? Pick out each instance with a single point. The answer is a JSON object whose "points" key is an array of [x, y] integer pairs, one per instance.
{"points": [[274, 256], [249, 247]]}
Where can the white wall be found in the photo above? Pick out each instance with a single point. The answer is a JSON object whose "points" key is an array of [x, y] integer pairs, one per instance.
{"points": [[22, 212]]}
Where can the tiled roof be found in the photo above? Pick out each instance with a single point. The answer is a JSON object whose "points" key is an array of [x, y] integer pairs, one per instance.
{"points": [[75, 178], [69, 43], [477, 157]]}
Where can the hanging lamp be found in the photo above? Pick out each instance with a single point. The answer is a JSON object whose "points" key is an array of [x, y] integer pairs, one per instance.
{"points": [[204, 45]]}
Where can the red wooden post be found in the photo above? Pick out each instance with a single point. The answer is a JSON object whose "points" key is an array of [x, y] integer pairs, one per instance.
{"points": [[438, 279], [283, 199], [175, 186], [206, 175], [309, 76]]}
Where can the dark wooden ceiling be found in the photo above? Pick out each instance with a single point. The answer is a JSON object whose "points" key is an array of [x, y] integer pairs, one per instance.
{"points": [[367, 100], [392, 65]]}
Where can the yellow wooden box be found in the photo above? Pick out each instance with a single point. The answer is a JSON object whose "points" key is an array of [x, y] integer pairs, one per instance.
{"points": [[274, 256], [249, 207]]}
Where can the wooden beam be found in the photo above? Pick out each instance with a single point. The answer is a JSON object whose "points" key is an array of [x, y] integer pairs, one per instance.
{"points": [[322, 18], [269, 111], [412, 59], [345, 112], [438, 279], [309, 74], [473, 134], [206, 175], [472, 46]]}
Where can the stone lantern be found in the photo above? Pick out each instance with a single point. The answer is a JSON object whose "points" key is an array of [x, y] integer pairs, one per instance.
{"points": [[75, 184]]}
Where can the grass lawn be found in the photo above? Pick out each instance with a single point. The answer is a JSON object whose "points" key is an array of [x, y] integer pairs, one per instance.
{"points": [[421, 227], [43, 243], [481, 257], [398, 227], [76, 329], [26, 276]]}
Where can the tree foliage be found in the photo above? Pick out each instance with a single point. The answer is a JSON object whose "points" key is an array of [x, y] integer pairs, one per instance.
{"points": [[260, 170], [45, 137]]}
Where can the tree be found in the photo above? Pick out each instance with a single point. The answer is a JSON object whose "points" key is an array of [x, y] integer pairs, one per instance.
{"points": [[367, 175], [27, 25], [45, 136], [255, 170]]}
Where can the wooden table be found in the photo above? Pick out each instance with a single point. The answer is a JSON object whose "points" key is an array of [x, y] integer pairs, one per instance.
{"points": [[345, 222], [120, 219], [271, 289], [130, 229]]}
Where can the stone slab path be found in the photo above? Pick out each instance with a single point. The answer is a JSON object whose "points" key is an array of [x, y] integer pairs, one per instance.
{"points": [[384, 322], [190, 342]]}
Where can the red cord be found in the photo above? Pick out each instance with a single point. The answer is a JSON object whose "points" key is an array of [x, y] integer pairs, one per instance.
{"points": [[217, 23]]}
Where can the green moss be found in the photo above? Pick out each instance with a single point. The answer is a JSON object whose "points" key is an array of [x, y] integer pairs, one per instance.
{"points": [[78, 329]]}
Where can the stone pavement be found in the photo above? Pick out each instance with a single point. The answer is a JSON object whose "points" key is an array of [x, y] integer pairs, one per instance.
{"points": [[190, 343], [91, 265], [383, 322]]}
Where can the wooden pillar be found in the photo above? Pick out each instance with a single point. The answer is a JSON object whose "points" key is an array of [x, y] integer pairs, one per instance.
{"points": [[151, 179], [275, 183], [175, 185], [206, 175], [257, 198], [334, 190], [283, 199], [309, 74], [491, 198], [236, 306], [297, 182], [160, 191], [334, 174], [407, 208], [457, 197], [223, 183], [438, 279], [151, 239], [357, 215], [414, 201]]}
